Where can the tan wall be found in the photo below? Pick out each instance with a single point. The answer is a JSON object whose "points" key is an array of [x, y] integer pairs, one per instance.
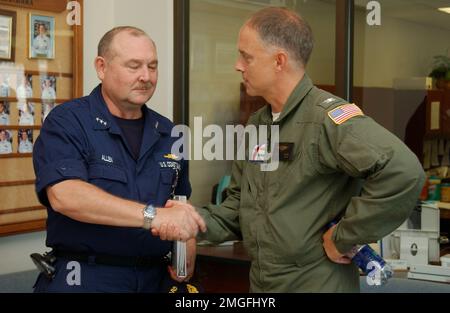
{"points": [[396, 49]]}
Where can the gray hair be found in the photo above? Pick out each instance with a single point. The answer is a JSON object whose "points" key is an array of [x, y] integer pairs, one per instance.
{"points": [[285, 29], [104, 46]]}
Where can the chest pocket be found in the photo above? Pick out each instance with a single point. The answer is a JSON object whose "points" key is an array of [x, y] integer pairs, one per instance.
{"points": [[159, 187], [109, 178], [167, 177], [107, 172]]}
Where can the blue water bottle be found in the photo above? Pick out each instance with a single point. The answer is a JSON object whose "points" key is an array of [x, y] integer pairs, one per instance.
{"points": [[373, 265]]}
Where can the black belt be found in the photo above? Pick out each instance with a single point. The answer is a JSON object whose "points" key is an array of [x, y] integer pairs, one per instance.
{"points": [[112, 260]]}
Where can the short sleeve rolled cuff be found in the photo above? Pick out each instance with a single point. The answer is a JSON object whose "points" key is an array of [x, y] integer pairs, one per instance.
{"points": [[59, 171]]}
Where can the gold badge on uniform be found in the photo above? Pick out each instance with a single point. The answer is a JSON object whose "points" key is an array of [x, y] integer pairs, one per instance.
{"points": [[345, 112], [191, 288], [171, 156]]}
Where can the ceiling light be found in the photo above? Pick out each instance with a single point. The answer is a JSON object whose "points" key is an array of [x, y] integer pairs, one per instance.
{"points": [[446, 10]]}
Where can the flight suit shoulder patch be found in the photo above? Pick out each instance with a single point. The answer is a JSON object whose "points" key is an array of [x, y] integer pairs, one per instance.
{"points": [[344, 112]]}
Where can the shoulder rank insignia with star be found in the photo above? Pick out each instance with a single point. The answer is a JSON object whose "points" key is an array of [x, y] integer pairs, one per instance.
{"points": [[345, 112]]}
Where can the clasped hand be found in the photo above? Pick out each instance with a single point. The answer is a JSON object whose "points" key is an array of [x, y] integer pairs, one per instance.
{"points": [[177, 221]]}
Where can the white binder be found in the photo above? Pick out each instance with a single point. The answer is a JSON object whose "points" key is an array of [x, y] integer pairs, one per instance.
{"points": [[179, 250]]}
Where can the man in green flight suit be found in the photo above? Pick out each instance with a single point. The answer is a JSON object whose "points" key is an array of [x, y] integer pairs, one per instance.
{"points": [[282, 215]]}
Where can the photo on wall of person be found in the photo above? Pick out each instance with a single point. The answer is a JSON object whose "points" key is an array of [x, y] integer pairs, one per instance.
{"points": [[4, 113], [41, 37], [47, 106], [4, 84], [25, 141], [48, 88], [5, 141], [24, 87], [26, 113]]}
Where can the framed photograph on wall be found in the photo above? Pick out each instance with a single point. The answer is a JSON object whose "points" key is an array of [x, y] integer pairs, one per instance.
{"points": [[41, 37], [26, 113], [47, 106], [5, 141], [4, 113], [7, 35], [24, 86], [48, 88], [25, 141], [4, 84]]}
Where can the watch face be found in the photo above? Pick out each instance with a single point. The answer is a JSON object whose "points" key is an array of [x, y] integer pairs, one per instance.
{"points": [[150, 210], [149, 214]]}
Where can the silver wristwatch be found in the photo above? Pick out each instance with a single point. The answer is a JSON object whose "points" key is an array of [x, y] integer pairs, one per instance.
{"points": [[149, 213]]}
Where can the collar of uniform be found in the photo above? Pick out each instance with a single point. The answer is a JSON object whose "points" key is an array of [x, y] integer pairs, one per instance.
{"points": [[152, 121], [104, 120], [295, 99]]}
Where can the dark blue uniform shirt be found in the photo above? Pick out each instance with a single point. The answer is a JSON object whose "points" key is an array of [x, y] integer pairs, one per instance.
{"points": [[81, 140]]}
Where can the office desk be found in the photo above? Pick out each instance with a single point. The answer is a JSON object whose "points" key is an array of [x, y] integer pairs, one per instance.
{"points": [[444, 210], [223, 269]]}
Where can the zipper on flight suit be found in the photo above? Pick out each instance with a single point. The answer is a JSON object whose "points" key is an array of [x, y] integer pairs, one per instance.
{"points": [[266, 203]]}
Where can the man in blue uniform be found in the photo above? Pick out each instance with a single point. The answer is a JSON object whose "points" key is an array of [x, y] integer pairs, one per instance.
{"points": [[104, 171]]}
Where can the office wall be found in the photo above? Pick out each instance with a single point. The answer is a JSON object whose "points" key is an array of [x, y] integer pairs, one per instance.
{"points": [[98, 19], [153, 16], [396, 49], [321, 16], [15, 251]]}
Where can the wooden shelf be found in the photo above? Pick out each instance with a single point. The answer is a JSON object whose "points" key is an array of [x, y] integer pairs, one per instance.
{"points": [[44, 5], [20, 228], [21, 210], [444, 210], [444, 205], [445, 214], [17, 183], [16, 127], [57, 74], [15, 155], [33, 100]]}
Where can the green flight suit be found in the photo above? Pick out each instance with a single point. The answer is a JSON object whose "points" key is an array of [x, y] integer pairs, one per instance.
{"points": [[281, 215]]}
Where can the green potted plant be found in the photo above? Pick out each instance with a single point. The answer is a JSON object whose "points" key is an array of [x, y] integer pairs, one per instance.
{"points": [[441, 71]]}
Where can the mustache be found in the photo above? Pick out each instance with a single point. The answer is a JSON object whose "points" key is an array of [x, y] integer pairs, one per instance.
{"points": [[144, 86]]}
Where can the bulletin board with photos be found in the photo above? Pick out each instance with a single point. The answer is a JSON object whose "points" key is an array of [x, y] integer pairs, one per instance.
{"points": [[40, 68]]}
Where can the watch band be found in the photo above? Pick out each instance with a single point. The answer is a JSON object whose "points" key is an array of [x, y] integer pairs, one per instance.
{"points": [[149, 213]]}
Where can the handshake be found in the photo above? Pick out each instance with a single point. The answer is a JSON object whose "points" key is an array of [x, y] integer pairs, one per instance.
{"points": [[177, 221]]}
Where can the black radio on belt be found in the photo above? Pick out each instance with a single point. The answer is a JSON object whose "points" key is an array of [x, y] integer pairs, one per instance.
{"points": [[45, 263]]}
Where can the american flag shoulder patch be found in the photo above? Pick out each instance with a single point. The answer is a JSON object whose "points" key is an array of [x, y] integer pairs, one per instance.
{"points": [[345, 112]]}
